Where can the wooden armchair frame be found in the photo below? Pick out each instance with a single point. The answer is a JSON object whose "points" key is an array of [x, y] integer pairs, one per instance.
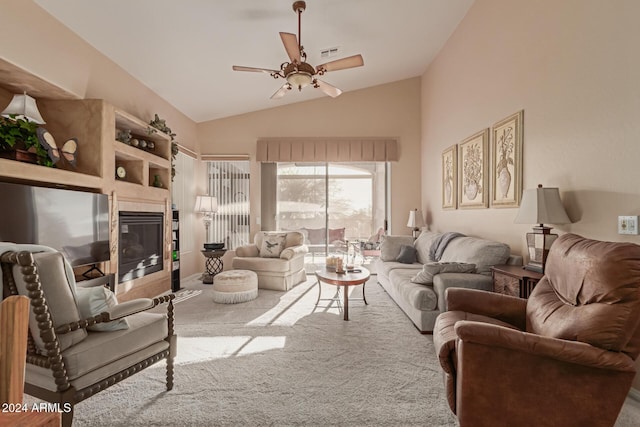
{"points": [[54, 360]]}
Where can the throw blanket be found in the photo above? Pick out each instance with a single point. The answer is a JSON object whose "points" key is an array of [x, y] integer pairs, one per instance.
{"points": [[8, 246], [440, 244]]}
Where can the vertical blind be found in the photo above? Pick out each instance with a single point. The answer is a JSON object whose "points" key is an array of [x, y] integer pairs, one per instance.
{"points": [[183, 196], [229, 184]]}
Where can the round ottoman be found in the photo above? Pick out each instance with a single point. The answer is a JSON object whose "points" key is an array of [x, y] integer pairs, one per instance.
{"points": [[234, 286]]}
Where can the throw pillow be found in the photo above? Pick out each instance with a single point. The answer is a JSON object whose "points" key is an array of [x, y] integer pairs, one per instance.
{"points": [[407, 254], [96, 300], [272, 245], [430, 269], [390, 246]]}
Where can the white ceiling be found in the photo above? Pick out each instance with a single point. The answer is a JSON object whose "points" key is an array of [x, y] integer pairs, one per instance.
{"points": [[184, 50]]}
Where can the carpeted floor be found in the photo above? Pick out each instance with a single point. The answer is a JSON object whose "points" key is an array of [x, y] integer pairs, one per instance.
{"points": [[279, 361]]}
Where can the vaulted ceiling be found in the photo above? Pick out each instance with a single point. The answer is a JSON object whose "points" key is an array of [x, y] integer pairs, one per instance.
{"points": [[184, 50]]}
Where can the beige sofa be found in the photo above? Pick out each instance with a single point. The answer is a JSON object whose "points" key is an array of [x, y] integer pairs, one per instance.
{"points": [[423, 302], [278, 273]]}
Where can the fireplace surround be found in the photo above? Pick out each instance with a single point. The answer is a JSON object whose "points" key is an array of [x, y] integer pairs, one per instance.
{"points": [[141, 243]]}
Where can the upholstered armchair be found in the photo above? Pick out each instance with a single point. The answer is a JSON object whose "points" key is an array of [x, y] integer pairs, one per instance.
{"points": [[71, 355], [564, 357], [276, 257]]}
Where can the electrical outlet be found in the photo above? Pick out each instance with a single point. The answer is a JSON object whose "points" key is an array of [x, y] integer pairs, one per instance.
{"points": [[627, 225]]}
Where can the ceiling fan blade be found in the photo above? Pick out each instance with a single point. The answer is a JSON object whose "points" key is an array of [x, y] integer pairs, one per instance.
{"points": [[330, 90], [253, 69], [290, 42], [282, 91], [341, 64]]}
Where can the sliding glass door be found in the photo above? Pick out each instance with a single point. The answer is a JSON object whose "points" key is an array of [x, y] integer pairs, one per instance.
{"points": [[338, 206]]}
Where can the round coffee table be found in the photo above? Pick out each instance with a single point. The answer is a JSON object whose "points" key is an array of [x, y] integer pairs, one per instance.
{"points": [[345, 280]]}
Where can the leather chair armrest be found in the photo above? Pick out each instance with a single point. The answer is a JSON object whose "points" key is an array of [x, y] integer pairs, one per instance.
{"points": [[292, 251], [248, 251], [509, 309], [560, 350]]}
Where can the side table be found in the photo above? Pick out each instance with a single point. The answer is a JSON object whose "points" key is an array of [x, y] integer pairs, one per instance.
{"points": [[213, 264], [514, 280]]}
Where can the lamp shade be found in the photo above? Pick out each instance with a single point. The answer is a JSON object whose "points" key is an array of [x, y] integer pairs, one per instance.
{"points": [[415, 219], [542, 205], [23, 107], [206, 204]]}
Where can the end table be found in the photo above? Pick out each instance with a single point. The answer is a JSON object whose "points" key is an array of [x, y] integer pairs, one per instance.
{"points": [[213, 264], [514, 280]]}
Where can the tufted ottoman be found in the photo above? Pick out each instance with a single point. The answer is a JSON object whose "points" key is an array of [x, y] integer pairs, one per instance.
{"points": [[234, 286]]}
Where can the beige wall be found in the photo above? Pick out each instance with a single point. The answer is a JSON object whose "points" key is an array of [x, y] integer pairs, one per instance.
{"points": [[572, 66], [51, 51], [390, 110]]}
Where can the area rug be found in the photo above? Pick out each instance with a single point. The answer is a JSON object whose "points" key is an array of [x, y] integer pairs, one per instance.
{"points": [[186, 294], [280, 361]]}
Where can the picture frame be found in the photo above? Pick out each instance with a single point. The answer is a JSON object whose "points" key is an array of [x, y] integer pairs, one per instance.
{"points": [[450, 177], [473, 177], [506, 161]]}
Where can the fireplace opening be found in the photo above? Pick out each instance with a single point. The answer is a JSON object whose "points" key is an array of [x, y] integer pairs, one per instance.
{"points": [[140, 244]]}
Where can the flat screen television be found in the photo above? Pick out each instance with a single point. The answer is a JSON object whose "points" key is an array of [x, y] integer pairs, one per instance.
{"points": [[75, 223]]}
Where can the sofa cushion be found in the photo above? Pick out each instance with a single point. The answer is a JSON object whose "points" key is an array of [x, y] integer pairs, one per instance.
{"points": [[430, 269], [102, 348], [95, 300], [272, 244], [294, 238], [385, 268], [390, 246], [472, 250], [423, 245], [419, 296], [407, 254], [58, 291], [264, 264]]}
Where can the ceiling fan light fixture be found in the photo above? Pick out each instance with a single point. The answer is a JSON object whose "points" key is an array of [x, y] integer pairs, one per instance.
{"points": [[299, 79]]}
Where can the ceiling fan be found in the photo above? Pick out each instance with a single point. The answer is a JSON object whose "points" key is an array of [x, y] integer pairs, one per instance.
{"points": [[298, 73]]}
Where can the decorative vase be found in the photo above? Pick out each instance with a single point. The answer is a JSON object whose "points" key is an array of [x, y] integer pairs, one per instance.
{"points": [[471, 190], [156, 181], [447, 191], [504, 182]]}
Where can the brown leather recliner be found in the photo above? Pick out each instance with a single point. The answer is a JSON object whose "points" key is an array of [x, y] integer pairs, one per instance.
{"points": [[564, 357]]}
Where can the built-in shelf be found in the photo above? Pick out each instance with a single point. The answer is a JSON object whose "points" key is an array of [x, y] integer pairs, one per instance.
{"points": [[12, 170]]}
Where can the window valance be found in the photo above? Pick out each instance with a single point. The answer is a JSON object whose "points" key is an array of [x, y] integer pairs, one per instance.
{"points": [[327, 150]]}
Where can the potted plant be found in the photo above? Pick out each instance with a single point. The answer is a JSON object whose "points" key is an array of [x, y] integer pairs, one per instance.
{"points": [[19, 141], [161, 125]]}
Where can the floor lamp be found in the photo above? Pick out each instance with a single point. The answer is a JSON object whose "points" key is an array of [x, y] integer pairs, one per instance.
{"points": [[207, 206]]}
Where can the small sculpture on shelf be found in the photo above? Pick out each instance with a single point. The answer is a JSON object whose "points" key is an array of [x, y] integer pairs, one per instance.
{"points": [[124, 136]]}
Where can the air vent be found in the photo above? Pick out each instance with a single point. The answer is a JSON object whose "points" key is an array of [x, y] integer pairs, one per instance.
{"points": [[329, 53]]}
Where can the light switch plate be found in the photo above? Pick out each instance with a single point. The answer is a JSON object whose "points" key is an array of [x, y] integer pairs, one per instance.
{"points": [[627, 225]]}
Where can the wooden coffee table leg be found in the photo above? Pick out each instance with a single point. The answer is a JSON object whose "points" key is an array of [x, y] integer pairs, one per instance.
{"points": [[319, 292], [346, 303]]}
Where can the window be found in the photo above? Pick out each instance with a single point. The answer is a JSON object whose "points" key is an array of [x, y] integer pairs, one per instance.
{"points": [[229, 184], [183, 196]]}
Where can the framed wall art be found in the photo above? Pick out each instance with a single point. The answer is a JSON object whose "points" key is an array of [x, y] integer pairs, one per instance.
{"points": [[506, 161], [472, 171], [450, 177]]}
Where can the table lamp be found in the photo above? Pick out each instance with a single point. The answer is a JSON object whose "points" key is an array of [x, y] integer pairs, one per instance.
{"points": [[415, 221], [541, 205], [207, 206]]}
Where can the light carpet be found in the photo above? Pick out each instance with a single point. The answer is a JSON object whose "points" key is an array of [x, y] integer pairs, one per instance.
{"points": [[279, 361]]}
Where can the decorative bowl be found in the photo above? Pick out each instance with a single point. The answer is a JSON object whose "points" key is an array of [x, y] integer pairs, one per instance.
{"points": [[213, 246]]}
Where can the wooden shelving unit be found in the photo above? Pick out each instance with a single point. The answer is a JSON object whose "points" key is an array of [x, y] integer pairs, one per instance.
{"points": [[175, 251], [94, 123]]}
